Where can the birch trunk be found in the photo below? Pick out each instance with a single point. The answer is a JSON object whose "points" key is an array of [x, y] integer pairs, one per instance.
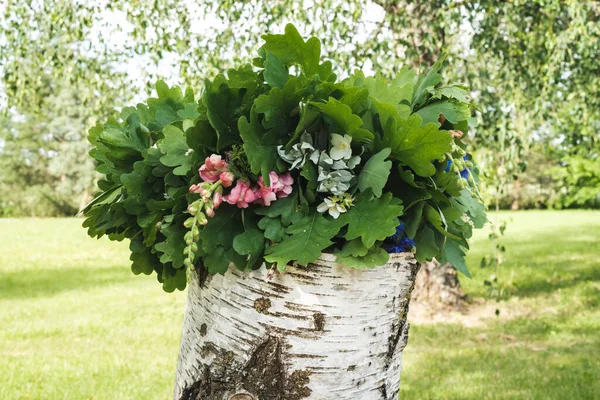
{"points": [[325, 331]]}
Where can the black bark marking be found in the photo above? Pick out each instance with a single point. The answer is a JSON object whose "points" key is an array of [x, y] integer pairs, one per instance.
{"points": [[203, 275], [319, 320], [263, 377], [262, 305], [203, 329], [383, 392]]}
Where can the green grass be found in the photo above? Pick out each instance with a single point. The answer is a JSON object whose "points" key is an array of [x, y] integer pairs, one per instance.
{"points": [[76, 324], [546, 342]]}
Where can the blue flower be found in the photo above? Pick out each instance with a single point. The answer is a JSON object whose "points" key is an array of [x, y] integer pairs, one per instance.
{"points": [[464, 173], [405, 244], [399, 233], [401, 242]]}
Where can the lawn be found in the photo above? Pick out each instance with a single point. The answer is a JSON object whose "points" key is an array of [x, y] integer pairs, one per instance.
{"points": [[76, 324]]}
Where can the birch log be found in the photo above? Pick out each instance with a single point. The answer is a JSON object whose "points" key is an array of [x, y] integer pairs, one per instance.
{"points": [[324, 331]]}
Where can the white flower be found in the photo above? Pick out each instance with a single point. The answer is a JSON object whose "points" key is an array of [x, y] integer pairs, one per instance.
{"points": [[299, 152], [336, 205], [330, 205], [340, 147]]}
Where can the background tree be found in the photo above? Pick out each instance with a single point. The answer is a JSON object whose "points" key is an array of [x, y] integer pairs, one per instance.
{"points": [[531, 66]]}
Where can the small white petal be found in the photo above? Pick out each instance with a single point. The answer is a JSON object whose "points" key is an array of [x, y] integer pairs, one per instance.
{"points": [[339, 152], [336, 139], [334, 212]]}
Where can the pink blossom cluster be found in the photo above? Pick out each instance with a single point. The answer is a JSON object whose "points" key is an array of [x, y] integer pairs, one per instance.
{"points": [[215, 168], [242, 194]]}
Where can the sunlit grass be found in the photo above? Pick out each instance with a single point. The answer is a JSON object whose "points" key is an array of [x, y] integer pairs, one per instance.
{"points": [[76, 324], [549, 349]]}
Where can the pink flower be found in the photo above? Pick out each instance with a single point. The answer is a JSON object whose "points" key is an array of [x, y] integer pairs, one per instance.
{"points": [[212, 168], [217, 199], [196, 188], [281, 186], [241, 195], [226, 179], [285, 183]]}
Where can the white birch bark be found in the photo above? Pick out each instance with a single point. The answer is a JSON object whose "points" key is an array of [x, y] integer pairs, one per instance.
{"points": [[325, 331]]}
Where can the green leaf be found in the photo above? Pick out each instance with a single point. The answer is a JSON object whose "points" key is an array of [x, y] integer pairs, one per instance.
{"points": [[437, 220], [407, 176], [451, 110], [427, 243], [172, 248], [219, 259], [285, 208], [118, 147], [376, 257], [217, 240], [273, 229], [309, 172], [222, 107], [222, 228], [352, 248], [309, 234], [291, 49], [385, 93], [309, 118], [260, 146], [475, 209], [278, 106], [374, 174], [427, 82], [454, 254], [451, 92], [251, 243], [419, 146], [412, 219], [173, 279], [342, 120], [371, 218], [276, 74], [190, 111], [175, 149], [143, 261]]}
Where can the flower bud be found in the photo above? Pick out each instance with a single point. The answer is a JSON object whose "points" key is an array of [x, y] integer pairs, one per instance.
{"points": [[193, 208], [210, 211], [201, 219], [188, 223], [217, 197]]}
